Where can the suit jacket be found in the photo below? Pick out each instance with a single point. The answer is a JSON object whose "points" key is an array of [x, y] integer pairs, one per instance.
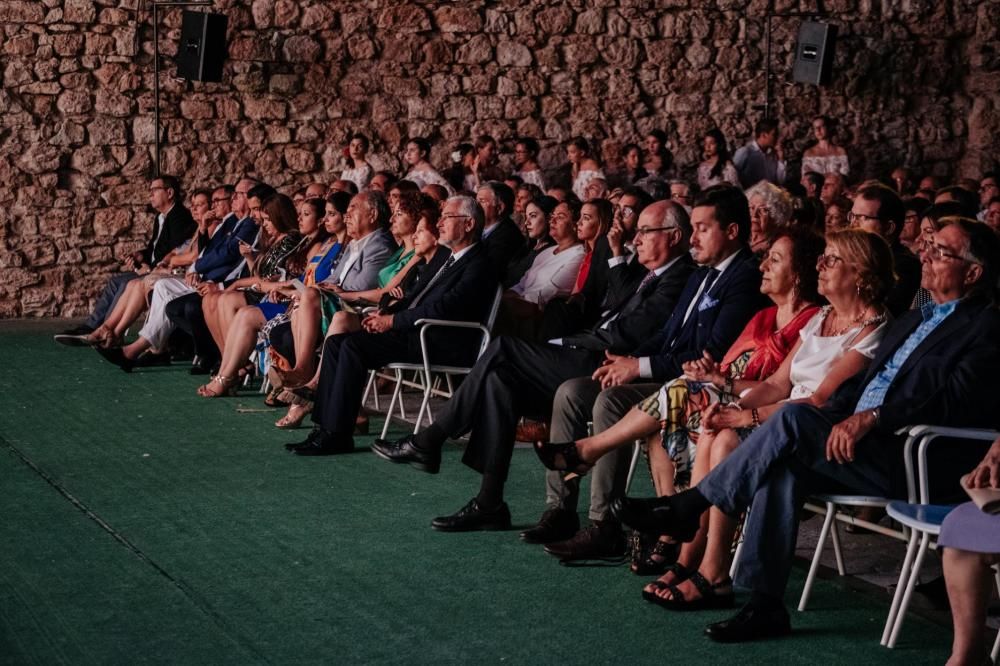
{"points": [[178, 226], [221, 253], [908, 272], [464, 293], [416, 279], [947, 380], [715, 322], [363, 274], [504, 244], [637, 317]]}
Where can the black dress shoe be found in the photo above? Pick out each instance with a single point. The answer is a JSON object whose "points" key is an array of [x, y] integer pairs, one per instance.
{"points": [[83, 329], [751, 623], [324, 444], [406, 451], [657, 515], [315, 433], [554, 525], [472, 517], [117, 356], [151, 359], [602, 540]]}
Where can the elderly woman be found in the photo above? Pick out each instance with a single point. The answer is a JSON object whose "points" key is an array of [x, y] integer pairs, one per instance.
{"points": [[583, 165], [824, 156], [271, 277], [835, 218], [970, 539], [770, 209], [909, 236], [358, 170], [854, 275], [717, 165], [417, 157]]}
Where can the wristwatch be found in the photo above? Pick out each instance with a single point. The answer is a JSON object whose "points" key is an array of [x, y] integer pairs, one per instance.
{"points": [[877, 415]]}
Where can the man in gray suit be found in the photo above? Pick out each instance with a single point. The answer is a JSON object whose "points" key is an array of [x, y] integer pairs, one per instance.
{"points": [[370, 247]]}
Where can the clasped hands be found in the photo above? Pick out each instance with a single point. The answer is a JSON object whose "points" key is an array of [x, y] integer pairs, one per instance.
{"points": [[616, 370], [377, 323]]}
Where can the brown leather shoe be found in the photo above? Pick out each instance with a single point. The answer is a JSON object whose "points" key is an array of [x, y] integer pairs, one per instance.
{"points": [[602, 540], [532, 431], [554, 525]]}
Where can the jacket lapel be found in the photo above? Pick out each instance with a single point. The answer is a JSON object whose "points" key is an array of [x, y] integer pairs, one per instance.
{"points": [[955, 322]]}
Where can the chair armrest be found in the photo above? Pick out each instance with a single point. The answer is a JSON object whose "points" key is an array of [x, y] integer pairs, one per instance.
{"points": [[446, 322], [427, 324], [922, 435]]}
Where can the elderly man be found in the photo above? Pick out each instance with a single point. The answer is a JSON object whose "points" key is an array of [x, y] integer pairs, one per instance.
{"points": [[931, 367], [516, 377], [173, 225], [502, 239], [371, 245], [461, 290]]}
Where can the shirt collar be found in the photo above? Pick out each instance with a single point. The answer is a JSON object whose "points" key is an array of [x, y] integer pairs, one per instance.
{"points": [[663, 269], [461, 253], [938, 310], [725, 263]]}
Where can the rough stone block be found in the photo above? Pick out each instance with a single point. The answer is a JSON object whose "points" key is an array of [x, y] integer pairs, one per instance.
{"points": [[458, 18], [513, 54], [301, 48], [475, 51]]}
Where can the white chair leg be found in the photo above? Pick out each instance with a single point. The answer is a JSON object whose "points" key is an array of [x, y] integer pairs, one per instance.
{"points": [[837, 552], [814, 566], [904, 577], [636, 452], [368, 389], [736, 558], [911, 583], [392, 402], [424, 404]]}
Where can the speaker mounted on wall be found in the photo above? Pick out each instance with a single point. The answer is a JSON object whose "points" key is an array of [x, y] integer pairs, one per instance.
{"points": [[202, 49], [814, 53]]}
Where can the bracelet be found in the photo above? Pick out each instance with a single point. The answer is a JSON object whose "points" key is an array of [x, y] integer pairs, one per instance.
{"points": [[755, 416], [728, 386]]}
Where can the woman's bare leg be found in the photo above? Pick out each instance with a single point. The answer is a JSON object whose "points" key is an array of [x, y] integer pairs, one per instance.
{"points": [[636, 424], [968, 578], [342, 322], [305, 322], [228, 305], [241, 339], [209, 307]]}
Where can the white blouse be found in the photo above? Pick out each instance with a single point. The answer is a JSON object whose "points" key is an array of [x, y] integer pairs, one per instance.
{"points": [[551, 274], [359, 176], [817, 354], [582, 180], [827, 164], [429, 177], [532, 178], [707, 180]]}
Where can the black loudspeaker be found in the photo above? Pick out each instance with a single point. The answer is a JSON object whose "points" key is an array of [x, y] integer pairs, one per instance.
{"points": [[202, 49], [814, 53]]}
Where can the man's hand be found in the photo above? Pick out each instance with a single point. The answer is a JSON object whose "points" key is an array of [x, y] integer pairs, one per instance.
{"points": [[704, 369], [377, 323], [615, 239], [987, 474], [206, 288], [844, 437], [617, 370], [192, 280]]}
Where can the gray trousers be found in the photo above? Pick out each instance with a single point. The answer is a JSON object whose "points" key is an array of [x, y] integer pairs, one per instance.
{"points": [[105, 303], [579, 402], [774, 469]]}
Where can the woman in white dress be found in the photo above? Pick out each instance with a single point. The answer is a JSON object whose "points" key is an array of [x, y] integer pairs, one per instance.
{"points": [[359, 171], [825, 156], [659, 159], [422, 172], [584, 166], [526, 162], [717, 167]]}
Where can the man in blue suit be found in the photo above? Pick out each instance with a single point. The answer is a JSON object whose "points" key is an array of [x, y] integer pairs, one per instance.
{"points": [[717, 302], [936, 365]]}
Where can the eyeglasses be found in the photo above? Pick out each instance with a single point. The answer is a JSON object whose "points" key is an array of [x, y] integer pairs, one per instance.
{"points": [[827, 261], [645, 231], [220, 200], [624, 211], [858, 218], [986, 187], [758, 210], [452, 217], [937, 252]]}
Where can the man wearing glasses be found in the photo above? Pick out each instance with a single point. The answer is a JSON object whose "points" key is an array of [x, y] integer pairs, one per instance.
{"points": [[173, 225], [516, 377], [879, 210], [935, 365]]}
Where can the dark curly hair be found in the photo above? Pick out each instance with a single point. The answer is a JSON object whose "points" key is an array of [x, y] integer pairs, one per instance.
{"points": [[807, 246]]}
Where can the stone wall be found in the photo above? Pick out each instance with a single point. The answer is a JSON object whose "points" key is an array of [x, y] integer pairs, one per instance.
{"points": [[915, 83]]}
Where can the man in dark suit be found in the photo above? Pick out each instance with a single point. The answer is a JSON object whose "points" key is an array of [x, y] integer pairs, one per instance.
{"points": [[462, 290], [880, 210], [502, 240], [516, 377], [173, 225], [717, 302], [935, 365]]}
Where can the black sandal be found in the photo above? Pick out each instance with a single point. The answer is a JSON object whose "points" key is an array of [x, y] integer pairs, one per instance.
{"points": [[562, 457], [274, 399], [655, 561], [711, 598], [681, 574]]}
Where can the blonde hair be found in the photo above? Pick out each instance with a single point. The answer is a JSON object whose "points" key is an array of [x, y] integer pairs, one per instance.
{"points": [[870, 254]]}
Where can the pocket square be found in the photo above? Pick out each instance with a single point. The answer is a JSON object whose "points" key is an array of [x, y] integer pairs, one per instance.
{"points": [[707, 303]]}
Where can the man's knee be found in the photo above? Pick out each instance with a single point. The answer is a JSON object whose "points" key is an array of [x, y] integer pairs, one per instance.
{"points": [[613, 403]]}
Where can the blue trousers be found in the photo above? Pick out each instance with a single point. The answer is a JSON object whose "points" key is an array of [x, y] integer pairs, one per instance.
{"points": [[771, 473], [113, 290]]}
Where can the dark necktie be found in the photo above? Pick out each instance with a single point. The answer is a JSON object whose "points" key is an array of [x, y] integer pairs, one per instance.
{"points": [[713, 275], [449, 262], [650, 276]]}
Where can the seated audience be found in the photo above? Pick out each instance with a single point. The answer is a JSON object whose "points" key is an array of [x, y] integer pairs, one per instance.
{"points": [[538, 211], [502, 240], [716, 167], [992, 215], [770, 210], [836, 214], [909, 236], [762, 158], [659, 161], [812, 182], [824, 156], [526, 162], [930, 368], [583, 166], [416, 157], [358, 170]]}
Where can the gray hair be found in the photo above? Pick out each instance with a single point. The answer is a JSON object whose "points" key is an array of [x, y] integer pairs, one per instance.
{"points": [[469, 207], [672, 215], [777, 201], [377, 202]]}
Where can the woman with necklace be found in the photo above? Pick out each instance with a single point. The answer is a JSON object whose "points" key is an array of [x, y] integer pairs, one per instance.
{"points": [[854, 275]]}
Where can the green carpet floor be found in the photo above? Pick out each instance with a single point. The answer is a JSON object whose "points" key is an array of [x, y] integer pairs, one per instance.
{"points": [[141, 523]]}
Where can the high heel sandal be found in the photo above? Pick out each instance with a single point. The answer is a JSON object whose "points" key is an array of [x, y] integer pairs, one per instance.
{"points": [[562, 457], [226, 385], [296, 414], [656, 559]]}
